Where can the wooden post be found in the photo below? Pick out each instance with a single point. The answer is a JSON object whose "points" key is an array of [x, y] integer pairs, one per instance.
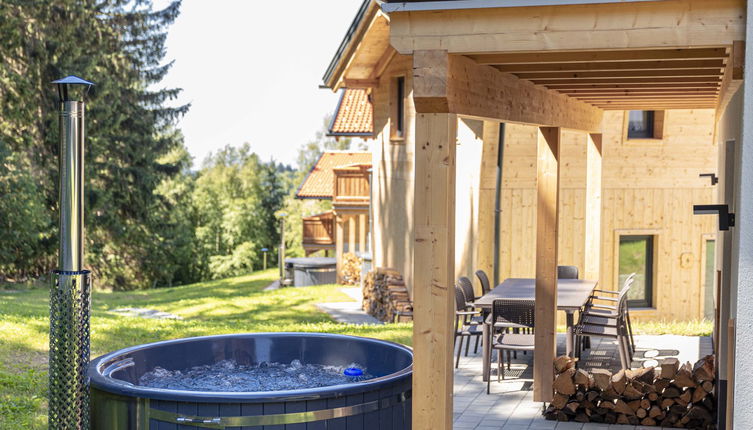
{"points": [[434, 270], [339, 239], [352, 234], [362, 233], [592, 249], [547, 191], [486, 198]]}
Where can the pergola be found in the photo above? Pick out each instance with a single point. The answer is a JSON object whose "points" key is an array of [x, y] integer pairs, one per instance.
{"points": [[558, 65]]}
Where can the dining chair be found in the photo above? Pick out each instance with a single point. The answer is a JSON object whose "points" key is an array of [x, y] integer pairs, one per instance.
{"points": [[597, 313], [614, 326], [463, 327], [567, 272], [520, 313], [466, 286], [484, 280]]}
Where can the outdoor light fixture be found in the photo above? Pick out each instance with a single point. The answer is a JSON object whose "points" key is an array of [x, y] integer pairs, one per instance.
{"points": [[265, 250], [70, 298], [726, 219], [281, 255]]}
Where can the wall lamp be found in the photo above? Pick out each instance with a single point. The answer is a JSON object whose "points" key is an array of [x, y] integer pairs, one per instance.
{"points": [[726, 219]]}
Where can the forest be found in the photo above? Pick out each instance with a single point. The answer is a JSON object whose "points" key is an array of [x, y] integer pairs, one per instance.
{"points": [[151, 220]]}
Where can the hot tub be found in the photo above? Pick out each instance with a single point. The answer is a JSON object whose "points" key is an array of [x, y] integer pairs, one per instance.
{"points": [[305, 271], [383, 402]]}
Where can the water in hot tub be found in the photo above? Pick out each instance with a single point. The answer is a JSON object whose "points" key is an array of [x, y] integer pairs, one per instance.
{"points": [[227, 375]]}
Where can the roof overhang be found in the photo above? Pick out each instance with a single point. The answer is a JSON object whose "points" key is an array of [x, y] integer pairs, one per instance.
{"points": [[364, 45], [411, 6]]}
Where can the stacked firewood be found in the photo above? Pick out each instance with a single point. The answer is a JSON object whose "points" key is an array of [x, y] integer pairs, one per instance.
{"points": [[670, 395], [351, 269], [384, 293]]}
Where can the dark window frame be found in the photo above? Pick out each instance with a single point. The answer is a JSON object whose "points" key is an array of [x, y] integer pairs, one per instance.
{"points": [[399, 107], [648, 282], [648, 131]]}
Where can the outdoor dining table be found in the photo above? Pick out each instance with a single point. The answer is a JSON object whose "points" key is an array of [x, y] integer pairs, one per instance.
{"points": [[572, 295]]}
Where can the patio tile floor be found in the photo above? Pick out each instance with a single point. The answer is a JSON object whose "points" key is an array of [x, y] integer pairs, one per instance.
{"points": [[510, 405]]}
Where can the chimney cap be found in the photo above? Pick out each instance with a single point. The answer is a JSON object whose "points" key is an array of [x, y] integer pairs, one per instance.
{"points": [[72, 80]]}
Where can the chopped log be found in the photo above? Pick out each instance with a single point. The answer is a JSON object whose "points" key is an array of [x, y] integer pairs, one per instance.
{"points": [[661, 384], [606, 404], [621, 407], [633, 420], [610, 394], [684, 377], [654, 412], [622, 419], [653, 396], [708, 403], [703, 370], [581, 417], [572, 407], [559, 400], [631, 393], [645, 404], [563, 383], [562, 363], [666, 403], [641, 413], [610, 418], [634, 405], [648, 422], [591, 396], [708, 386], [644, 375], [678, 409], [686, 397], [582, 378], [619, 381], [671, 392], [699, 413], [580, 396], [669, 368], [602, 378]]}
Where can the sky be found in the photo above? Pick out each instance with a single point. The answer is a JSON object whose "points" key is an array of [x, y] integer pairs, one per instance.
{"points": [[251, 71]]}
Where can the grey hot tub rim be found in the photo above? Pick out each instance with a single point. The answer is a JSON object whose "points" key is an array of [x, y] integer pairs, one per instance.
{"points": [[101, 369]]}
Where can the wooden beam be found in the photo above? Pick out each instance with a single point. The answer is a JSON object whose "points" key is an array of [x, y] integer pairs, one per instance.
{"points": [[360, 83], [339, 240], [592, 248], [628, 25], [588, 87], [733, 76], [607, 66], [601, 56], [679, 73], [667, 92], [628, 80], [383, 62], [362, 233], [434, 270], [351, 234], [456, 84], [547, 192]]}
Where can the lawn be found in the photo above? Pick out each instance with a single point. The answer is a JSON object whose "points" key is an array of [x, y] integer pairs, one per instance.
{"points": [[233, 305]]}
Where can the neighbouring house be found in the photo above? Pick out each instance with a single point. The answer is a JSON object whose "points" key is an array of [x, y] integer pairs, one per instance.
{"points": [[513, 136], [343, 178]]}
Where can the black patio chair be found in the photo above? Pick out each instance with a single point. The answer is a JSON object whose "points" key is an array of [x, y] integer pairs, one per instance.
{"points": [[522, 314], [484, 280], [567, 272], [463, 326]]}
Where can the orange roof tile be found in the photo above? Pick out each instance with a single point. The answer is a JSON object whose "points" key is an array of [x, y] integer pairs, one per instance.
{"points": [[353, 115], [319, 182]]}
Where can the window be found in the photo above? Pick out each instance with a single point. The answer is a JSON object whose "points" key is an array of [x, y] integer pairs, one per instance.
{"points": [[398, 127], [636, 255], [645, 124]]}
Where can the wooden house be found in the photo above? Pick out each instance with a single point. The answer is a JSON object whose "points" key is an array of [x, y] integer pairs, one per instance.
{"points": [[516, 135], [343, 178]]}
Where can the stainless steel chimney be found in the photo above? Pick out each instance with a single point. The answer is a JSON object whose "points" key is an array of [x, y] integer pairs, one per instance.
{"points": [[70, 298]]}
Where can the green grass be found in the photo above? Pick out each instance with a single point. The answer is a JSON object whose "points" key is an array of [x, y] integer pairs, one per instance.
{"points": [[233, 305]]}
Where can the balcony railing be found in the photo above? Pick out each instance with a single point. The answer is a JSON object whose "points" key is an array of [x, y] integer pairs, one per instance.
{"points": [[319, 230], [351, 185]]}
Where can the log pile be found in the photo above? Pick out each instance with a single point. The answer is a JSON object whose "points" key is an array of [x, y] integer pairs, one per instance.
{"points": [[384, 293], [671, 395], [350, 272]]}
